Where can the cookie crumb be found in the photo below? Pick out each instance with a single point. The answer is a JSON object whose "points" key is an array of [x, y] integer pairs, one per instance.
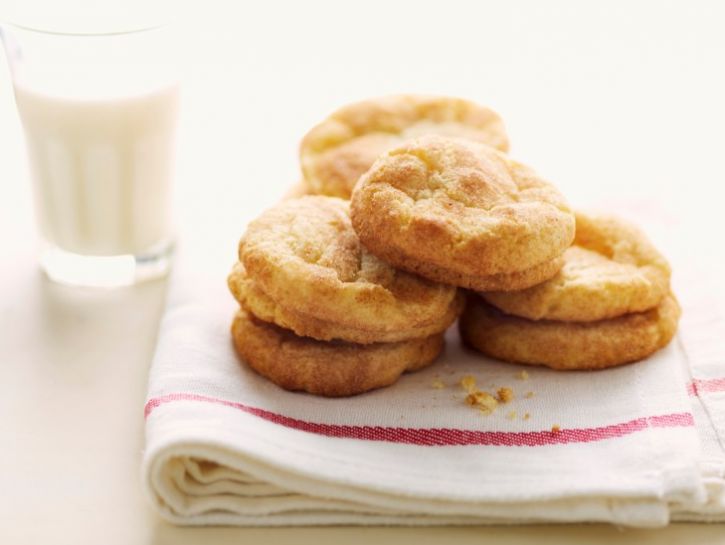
{"points": [[555, 428], [529, 395], [438, 384], [485, 402], [505, 394], [468, 383], [511, 415], [522, 375], [527, 416]]}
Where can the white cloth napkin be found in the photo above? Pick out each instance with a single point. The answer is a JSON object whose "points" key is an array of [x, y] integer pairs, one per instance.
{"points": [[638, 445]]}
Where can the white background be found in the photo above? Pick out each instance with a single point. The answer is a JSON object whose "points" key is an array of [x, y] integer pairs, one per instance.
{"points": [[612, 101], [621, 104]]}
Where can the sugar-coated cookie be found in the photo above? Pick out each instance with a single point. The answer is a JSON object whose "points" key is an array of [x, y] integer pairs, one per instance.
{"points": [[612, 269], [335, 153], [327, 368], [462, 213], [569, 345], [255, 301], [310, 273]]}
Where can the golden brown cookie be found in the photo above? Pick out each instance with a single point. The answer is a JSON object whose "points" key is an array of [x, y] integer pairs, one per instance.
{"points": [[462, 213], [255, 301], [311, 274], [569, 345], [327, 368], [612, 269], [335, 153]]}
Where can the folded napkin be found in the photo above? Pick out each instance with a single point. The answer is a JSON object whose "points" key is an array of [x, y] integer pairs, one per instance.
{"points": [[637, 445]]}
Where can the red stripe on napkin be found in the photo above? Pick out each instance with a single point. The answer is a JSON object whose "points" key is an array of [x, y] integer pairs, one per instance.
{"points": [[443, 436], [706, 385]]}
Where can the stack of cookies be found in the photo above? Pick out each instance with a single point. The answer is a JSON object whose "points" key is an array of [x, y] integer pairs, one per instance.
{"points": [[609, 304], [339, 297], [320, 313]]}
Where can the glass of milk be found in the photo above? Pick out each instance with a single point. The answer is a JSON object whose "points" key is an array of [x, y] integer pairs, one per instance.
{"points": [[99, 112]]}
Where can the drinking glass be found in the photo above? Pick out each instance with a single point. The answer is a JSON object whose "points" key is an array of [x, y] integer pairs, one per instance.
{"points": [[99, 113]]}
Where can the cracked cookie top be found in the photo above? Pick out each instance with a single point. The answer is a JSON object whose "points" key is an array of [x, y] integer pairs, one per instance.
{"points": [[612, 269], [304, 255], [459, 208], [335, 153]]}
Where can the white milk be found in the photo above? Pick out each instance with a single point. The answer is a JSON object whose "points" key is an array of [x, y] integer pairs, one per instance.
{"points": [[102, 169]]}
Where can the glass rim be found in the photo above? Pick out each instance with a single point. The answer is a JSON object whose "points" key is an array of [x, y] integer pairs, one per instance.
{"points": [[72, 34]]}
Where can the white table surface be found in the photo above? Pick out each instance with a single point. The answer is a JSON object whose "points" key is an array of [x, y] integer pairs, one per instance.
{"points": [[618, 103]]}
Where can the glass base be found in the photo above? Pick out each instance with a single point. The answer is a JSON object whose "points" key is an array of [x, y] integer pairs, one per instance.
{"points": [[105, 271]]}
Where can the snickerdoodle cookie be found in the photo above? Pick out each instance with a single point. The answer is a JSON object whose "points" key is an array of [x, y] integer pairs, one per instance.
{"points": [[327, 368], [305, 269], [569, 345], [335, 153], [612, 269], [462, 213], [253, 299]]}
